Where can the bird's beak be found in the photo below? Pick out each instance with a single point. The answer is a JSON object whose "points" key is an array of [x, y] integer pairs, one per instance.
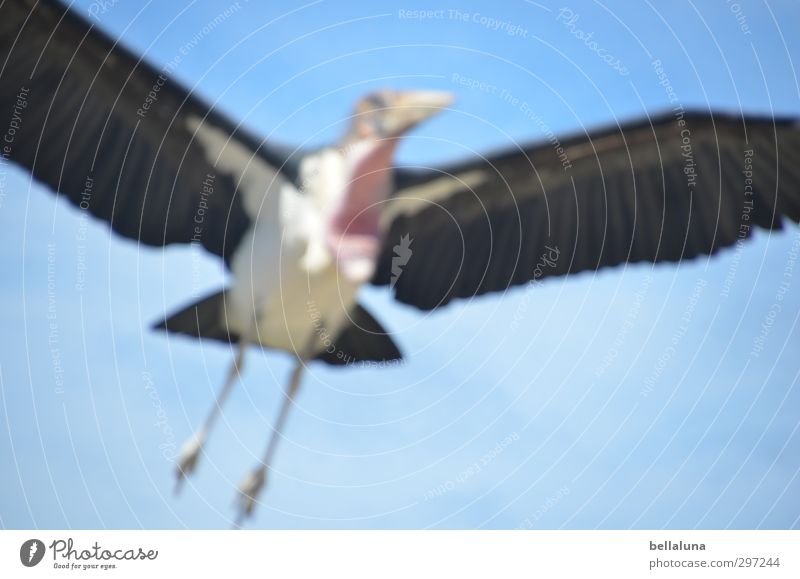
{"points": [[410, 108]]}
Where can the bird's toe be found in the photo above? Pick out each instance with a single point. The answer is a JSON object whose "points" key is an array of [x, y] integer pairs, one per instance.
{"points": [[249, 490], [187, 460]]}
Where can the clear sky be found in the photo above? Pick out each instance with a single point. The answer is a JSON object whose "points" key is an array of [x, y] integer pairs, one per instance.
{"points": [[631, 398]]}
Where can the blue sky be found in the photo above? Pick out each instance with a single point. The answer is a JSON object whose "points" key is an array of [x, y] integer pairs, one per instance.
{"points": [[631, 398]]}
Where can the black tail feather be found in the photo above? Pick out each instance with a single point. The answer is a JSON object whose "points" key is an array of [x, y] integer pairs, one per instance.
{"points": [[364, 340], [204, 319]]}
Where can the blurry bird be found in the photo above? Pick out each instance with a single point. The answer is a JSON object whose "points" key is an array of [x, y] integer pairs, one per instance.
{"points": [[301, 231]]}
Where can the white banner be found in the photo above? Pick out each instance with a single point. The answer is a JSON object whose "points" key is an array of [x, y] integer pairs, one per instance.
{"points": [[401, 554]]}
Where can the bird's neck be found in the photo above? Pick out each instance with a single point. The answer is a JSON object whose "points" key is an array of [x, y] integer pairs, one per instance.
{"points": [[353, 227]]}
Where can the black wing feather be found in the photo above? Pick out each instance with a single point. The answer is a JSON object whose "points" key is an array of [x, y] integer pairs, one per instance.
{"points": [[89, 132], [640, 194]]}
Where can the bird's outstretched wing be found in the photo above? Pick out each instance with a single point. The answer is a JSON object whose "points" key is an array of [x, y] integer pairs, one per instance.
{"points": [[663, 189], [115, 135]]}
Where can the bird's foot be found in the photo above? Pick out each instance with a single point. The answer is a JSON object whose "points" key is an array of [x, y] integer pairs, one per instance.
{"points": [[248, 493], [187, 460]]}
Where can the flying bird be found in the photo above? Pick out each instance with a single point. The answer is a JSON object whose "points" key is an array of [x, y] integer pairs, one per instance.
{"points": [[302, 230]]}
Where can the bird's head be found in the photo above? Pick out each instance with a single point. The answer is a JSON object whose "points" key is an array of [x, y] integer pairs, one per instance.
{"points": [[388, 114]]}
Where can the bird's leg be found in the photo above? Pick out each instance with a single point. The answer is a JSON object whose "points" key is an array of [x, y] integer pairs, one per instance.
{"points": [[190, 452], [255, 481]]}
